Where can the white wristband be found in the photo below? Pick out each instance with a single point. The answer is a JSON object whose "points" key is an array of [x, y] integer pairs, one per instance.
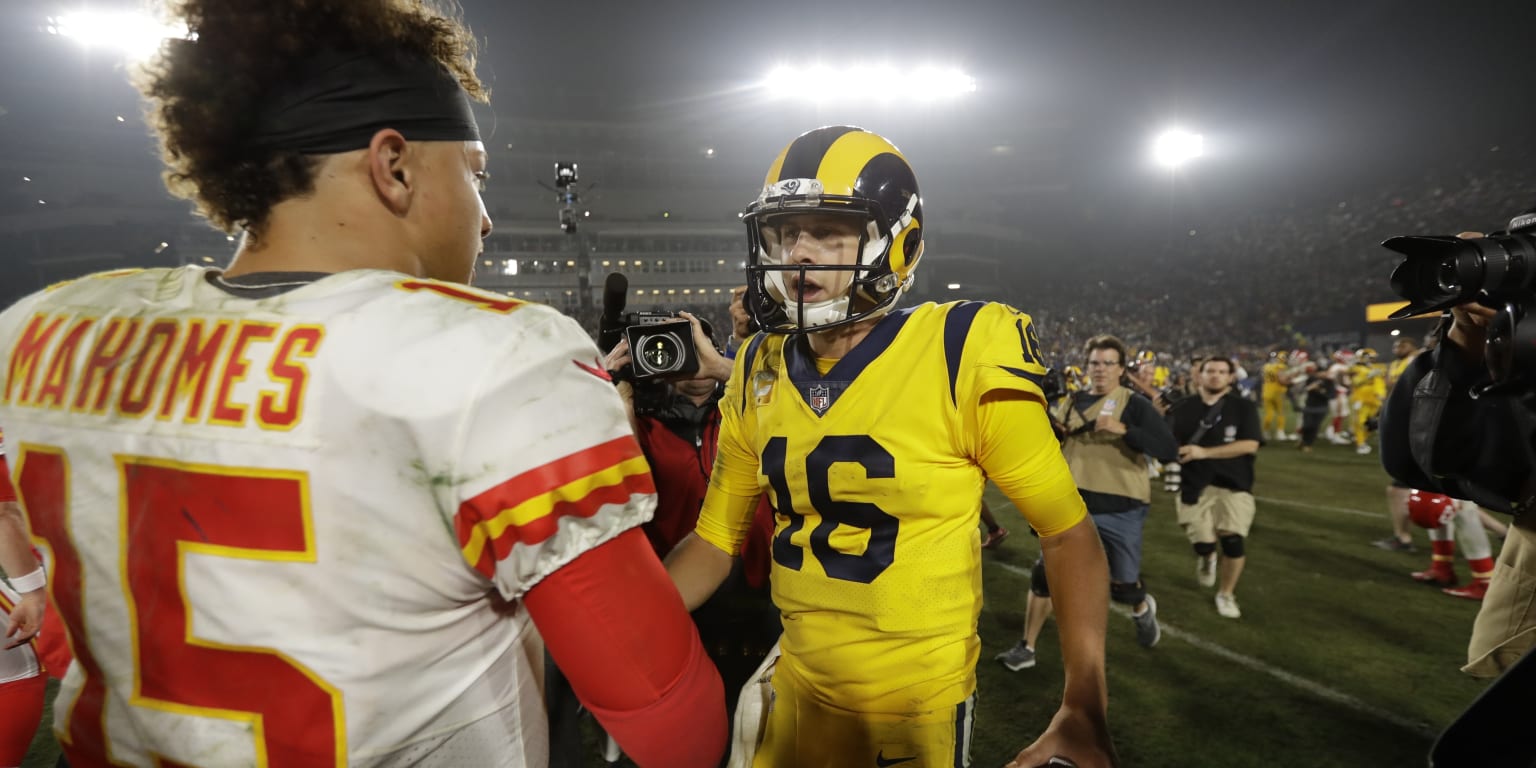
{"points": [[31, 582]]}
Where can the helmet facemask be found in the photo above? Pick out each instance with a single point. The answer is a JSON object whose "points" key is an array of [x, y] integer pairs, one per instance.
{"points": [[872, 288]]}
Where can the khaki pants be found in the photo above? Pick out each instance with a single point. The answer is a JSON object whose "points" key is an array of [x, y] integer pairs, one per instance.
{"points": [[1506, 625], [1218, 509]]}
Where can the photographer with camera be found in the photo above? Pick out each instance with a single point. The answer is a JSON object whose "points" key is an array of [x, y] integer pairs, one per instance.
{"points": [[1218, 433], [1106, 433], [677, 422], [1461, 421]]}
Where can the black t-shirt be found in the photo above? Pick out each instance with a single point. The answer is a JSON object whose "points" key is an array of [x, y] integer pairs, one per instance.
{"points": [[1238, 419], [1319, 392]]}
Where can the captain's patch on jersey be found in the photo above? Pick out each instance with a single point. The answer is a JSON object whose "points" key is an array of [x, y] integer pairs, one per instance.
{"points": [[762, 387]]}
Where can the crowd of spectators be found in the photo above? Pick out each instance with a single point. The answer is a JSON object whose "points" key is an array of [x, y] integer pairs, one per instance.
{"points": [[1271, 277]]}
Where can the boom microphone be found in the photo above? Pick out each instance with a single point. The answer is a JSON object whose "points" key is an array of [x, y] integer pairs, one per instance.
{"points": [[610, 328]]}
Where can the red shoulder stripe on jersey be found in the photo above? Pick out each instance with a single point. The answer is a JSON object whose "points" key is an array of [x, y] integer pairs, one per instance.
{"points": [[595, 370], [527, 508]]}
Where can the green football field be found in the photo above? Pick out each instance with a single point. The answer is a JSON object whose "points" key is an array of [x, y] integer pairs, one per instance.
{"points": [[1339, 659]]}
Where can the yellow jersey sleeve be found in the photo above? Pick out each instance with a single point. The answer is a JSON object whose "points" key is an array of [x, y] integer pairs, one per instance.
{"points": [[1004, 412], [726, 515], [1002, 352], [1020, 454]]}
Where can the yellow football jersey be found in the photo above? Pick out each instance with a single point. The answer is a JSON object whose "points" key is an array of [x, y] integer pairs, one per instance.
{"points": [[1273, 372], [875, 470], [1366, 382]]}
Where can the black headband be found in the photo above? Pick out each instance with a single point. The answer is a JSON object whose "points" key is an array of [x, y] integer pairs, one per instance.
{"points": [[336, 101]]}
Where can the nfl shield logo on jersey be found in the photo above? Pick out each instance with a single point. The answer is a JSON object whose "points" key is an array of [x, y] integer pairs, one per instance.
{"points": [[820, 399]]}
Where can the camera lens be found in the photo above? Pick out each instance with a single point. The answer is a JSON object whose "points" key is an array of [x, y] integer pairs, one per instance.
{"points": [[661, 352], [1447, 277]]}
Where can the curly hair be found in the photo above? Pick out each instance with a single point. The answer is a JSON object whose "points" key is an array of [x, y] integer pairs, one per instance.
{"points": [[204, 91]]}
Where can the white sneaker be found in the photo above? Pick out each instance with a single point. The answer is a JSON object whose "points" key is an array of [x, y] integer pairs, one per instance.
{"points": [[1226, 605], [1205, 570], [1362, 449]]}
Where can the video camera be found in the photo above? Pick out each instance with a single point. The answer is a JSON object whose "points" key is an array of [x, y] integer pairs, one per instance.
{"points": [[1497, 271], [1054, 385], [660, 345]]}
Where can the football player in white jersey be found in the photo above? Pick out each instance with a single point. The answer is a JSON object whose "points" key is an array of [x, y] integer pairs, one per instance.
{"points": [[1338, 406], [329, 507]]}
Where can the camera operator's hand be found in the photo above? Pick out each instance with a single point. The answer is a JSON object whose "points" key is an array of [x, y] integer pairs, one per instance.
{"points": [[1192, 453], [1110, 424], [617, 358], [741, 320], [1469, 326], [1469, 329], [711, 363]]}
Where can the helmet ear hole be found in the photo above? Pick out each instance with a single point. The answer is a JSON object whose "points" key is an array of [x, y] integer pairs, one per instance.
{"points": [[906, 249]]}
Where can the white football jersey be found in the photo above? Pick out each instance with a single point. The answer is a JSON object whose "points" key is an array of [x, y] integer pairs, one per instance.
{"points": [[294, 530]]}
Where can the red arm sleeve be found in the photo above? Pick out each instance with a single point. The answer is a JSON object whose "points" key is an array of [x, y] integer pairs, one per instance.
{"points": [[617, 628], [7, 492]]}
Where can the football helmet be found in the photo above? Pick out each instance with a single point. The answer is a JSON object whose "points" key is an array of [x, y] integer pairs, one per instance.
{"points": [[1280, 356], [1365, 355], [1430, 510], [843, 171], [1077, 380]]}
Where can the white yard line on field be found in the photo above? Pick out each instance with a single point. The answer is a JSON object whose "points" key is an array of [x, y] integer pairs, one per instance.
{"points": [[1319, 507], [1293, 680]]}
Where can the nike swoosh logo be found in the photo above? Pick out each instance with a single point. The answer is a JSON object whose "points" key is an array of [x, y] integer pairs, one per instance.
{"points": [[594, 370], [881, 761]]}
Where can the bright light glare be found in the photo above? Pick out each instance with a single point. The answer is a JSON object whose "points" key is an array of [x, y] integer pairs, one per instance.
{"points": [[509, 267], [877, 82], [954, 286], [1175, 147], [134, 34]]}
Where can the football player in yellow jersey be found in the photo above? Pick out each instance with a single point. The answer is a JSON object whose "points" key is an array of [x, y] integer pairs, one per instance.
{"points": [[1367, 388], [872, 431], [1277, 382]]}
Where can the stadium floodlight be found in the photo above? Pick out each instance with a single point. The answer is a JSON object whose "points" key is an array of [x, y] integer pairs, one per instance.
{"points": [[1175, 147], [868, 82], [134, 34]]}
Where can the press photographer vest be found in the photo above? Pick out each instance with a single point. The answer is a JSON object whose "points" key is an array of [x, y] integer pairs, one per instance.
{"points": [[1100, 461]]}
